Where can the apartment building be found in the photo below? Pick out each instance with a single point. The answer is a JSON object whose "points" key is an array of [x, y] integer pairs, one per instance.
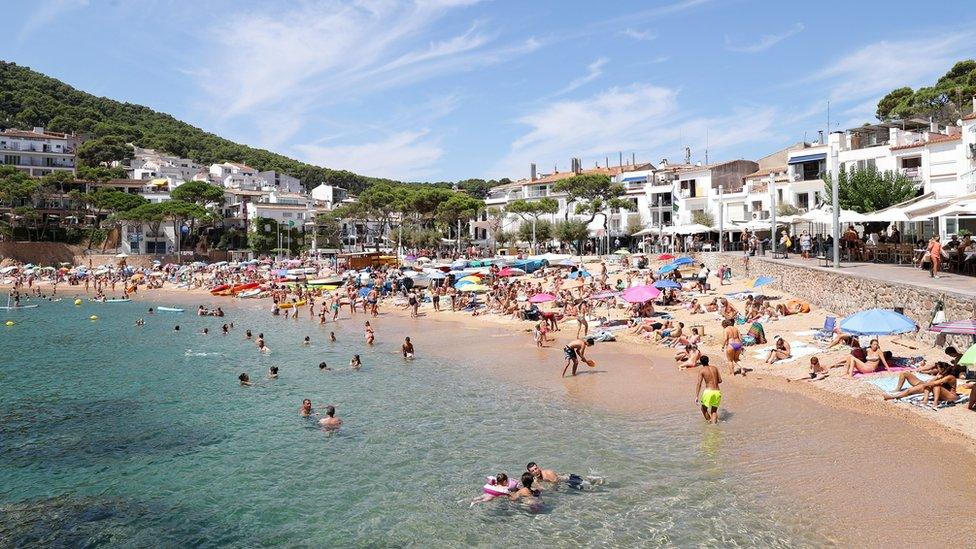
{"points": [[152, 164], [38, 152]]}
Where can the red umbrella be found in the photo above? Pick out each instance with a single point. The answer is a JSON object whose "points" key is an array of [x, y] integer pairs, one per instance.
{"points": [[640, 294], [665, 257], [542, 298], [511, 271]]}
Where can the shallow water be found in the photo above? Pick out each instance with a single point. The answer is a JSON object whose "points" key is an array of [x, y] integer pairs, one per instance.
{"points": [[117, 435]]}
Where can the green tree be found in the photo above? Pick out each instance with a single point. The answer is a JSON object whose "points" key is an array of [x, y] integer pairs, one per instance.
{"points": [[891, 102], [702, 218], [104, 150], [179, 213], [458, 208], [594, 194], [477, 188], [634, 224], [945, 101], [869, 190], [573, 232], [15, 186], [328, 230], [199, 192], [263, 236], [543, 231], [530, 211], [100, 173]]}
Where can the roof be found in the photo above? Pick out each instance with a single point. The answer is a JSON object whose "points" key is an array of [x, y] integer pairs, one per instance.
{"points": [[125, 182], [10, 132], [559, 176], [241, 192], [933, 138], [277, 206], [763, 173]]}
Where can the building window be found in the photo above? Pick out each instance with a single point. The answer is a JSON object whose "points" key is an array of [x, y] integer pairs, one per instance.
{"points": [[914, 162], [12, 159], [286, 214], [688, 188], [803, 201]]}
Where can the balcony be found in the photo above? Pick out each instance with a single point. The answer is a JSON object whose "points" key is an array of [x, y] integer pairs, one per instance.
{"points": [[537, 194]]}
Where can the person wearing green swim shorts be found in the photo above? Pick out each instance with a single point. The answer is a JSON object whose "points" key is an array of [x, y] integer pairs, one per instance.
{"points": [[711, 397]]}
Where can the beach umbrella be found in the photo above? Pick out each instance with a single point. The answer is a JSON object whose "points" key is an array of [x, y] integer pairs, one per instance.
{"points": [[542, 298], [877, 322], [963, 327], [459, 264], [640, 294], [683, 261], [436, 275], [474, 288], [622, 251], [665, 257], [666, 284], [565, 263], [762, 281], [511, 271], [579, 274], [969, 357], [474, 279], [461, 283], [667, 268]]}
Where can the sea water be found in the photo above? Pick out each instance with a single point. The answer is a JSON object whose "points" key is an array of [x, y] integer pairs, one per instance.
{"points": [[118, 435]]}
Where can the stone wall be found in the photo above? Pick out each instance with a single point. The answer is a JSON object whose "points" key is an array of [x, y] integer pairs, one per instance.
{"points": [[843, 293], [40, 253]]}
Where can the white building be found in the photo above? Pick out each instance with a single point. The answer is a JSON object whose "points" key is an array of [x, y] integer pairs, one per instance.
{"points": [[329, 196], [281, 181], [152, 164], [38, 152]]}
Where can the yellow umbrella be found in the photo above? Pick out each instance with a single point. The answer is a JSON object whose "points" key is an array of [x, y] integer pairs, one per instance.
{"points": [[472, 279], [474, 288]]}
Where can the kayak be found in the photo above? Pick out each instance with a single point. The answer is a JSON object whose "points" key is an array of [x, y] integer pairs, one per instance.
{"points": [[117, 301], [290, 305], [243, 287], [254, 292], [225, 292], [169, 309], [220, 288], [14, 308], [332, 281]]}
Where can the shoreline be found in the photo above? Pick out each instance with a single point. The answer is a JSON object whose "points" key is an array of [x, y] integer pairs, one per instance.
{"points": [[846, 394], [951, 425]]}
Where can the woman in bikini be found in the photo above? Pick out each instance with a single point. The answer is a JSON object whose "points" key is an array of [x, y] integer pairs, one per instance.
{"points": [[732, 343], [781, 351], [873, 360]]}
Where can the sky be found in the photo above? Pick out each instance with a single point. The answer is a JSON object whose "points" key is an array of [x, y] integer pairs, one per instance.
{"points": [[442, 90]]}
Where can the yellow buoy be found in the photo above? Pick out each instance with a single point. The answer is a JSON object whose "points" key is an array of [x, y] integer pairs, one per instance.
{"points": [[10, 323], [93, 317], [77, 302]]}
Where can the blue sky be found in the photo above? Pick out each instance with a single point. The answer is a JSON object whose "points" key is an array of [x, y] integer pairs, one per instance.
{"points": [[450, 89]]}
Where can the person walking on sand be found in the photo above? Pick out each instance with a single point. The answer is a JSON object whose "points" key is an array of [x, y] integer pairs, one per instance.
{"points": [[732, 343], [711, 397]]}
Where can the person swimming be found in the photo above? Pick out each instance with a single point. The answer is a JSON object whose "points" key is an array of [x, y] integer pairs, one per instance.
{"points": [[273, 372], [206, 331], [323, 367], [497, 486], [245, 380], [308, 341], [176, 328], [355, 363], [572, 480], [332, 337], [525, 491], [225, 329], [247, 334], [306, 408]]}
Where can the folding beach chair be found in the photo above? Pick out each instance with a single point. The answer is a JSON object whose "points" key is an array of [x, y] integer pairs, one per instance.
{"points": [[827, 332]]}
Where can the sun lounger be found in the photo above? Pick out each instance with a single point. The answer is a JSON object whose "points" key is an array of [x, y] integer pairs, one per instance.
{"points": [[827, 332]]}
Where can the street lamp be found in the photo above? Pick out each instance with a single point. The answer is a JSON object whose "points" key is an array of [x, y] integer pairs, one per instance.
{"points": [[721, 220], [772, 207], [835, 200]]}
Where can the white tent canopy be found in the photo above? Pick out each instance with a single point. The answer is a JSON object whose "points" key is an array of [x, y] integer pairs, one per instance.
{"points": [[650, 229], [825, 215], [756, 225], [692, 228]]}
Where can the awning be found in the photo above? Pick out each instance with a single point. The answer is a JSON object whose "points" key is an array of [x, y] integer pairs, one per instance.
{"points": [[807, 158], [632, 179]]}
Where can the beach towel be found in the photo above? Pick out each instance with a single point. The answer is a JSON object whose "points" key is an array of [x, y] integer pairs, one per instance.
{"points": [[757, 333], [798, 349], [889, 384], [892, 370], [916, 400], [603, 335]]}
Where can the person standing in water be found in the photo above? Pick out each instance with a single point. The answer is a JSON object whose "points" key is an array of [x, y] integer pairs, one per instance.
{"points": [[370, 334], [330, 422], [575, 351], [711, 397], [407, 348]]}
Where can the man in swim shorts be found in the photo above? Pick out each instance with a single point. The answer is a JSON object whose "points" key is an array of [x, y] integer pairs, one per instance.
{"points": [[407, 348], [548, 475], [711, 397], [330, 421], [575, 351]]}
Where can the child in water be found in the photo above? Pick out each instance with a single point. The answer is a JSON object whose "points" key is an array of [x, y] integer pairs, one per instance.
{"points": [[355, 363], [497, 486]]}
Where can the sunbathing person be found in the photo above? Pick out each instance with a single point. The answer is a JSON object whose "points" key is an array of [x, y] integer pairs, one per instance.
{"points": [[873, 361], [689, 358], [939, 369], [781, 351], [712, 307], [844, 339], [942, 388], [696, 308]]}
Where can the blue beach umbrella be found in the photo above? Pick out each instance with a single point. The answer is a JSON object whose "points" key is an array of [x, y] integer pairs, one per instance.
{"points": [[877, 322], [666, 284], [667, 268], [463, 283], [459, 264], [762, 281], [683, 261], [578, 274]]}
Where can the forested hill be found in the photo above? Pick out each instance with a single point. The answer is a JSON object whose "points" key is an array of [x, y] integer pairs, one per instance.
{"points": [[29, 98]]}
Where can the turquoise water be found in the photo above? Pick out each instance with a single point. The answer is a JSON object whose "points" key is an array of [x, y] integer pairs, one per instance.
{"points": [[123, 436]]}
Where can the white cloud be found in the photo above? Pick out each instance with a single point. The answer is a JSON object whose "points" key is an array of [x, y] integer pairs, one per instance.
{"points": [[406, 155], [593, 71], [765, 42], [641, 118], [640, 36], [323, 53], [880, 67], [46, 13]]}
